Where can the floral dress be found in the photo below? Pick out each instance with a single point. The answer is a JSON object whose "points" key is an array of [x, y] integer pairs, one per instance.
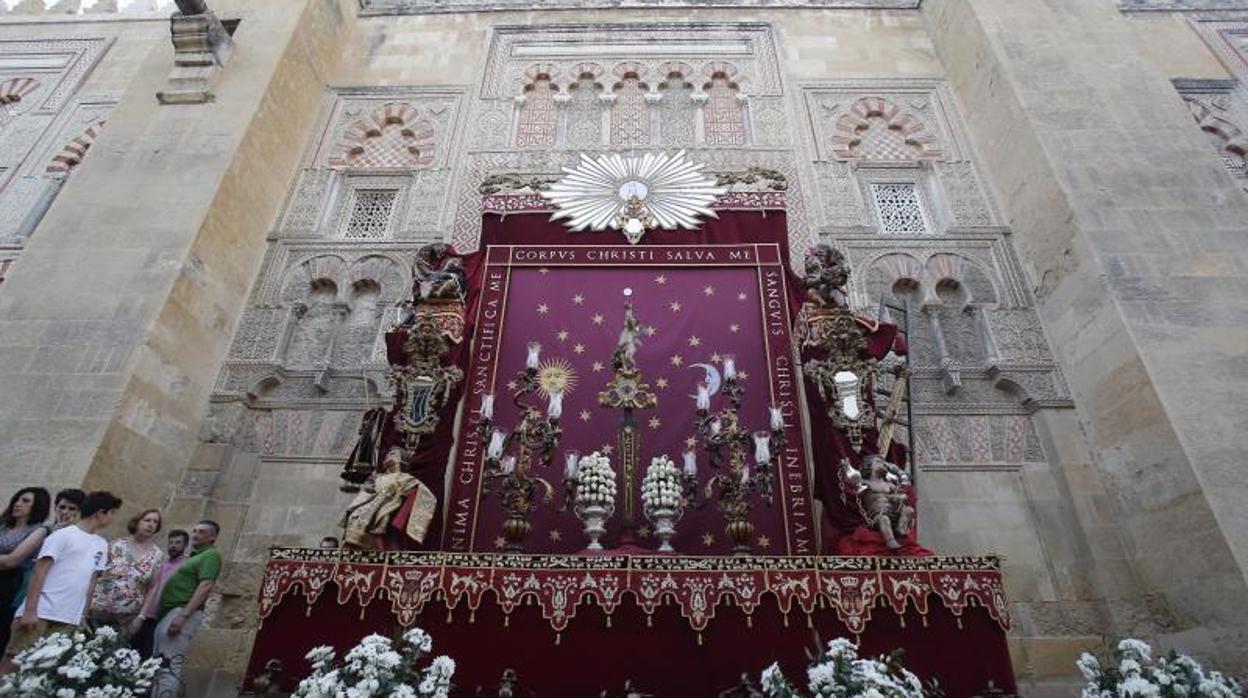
{"points": [[121, 587]]}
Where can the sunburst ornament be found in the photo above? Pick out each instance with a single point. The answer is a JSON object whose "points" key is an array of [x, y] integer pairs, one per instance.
{"points": [[556, 376], [633, 194]]}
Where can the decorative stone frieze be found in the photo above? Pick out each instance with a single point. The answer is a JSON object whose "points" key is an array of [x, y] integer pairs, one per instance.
{"points": [[396, 7]]}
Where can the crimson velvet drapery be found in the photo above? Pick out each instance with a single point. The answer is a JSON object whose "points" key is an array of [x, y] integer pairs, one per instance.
{"points": [[660, 654]]}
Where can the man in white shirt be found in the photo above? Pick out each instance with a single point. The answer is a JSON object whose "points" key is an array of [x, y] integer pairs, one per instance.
{"points": [[64, 575]]}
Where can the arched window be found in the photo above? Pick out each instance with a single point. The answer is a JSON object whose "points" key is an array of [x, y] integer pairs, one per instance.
{"points": [[630, 115], [538, 120], [677, 112], [585, 112], [723, 117], [392, 138]]}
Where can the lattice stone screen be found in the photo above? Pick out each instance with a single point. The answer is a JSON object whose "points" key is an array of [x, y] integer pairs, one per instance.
{"points": [[899, 208], [370, 214]]}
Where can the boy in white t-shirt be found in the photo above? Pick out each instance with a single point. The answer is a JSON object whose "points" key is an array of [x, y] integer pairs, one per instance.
{"points": [[65, 573]]}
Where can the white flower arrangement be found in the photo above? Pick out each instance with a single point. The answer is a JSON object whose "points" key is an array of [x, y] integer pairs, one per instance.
{"points": [[1133, 673], [839, 672], [660, 487], [375, 667], [595, 481], [81, 663]]}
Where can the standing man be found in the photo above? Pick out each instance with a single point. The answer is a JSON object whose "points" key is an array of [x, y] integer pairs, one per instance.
{"points": [[181, 608], [145, 633], [65, 573], [68, 504]]}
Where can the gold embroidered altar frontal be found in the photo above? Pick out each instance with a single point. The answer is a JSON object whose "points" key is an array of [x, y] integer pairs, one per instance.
{"points": [[699, 587]]}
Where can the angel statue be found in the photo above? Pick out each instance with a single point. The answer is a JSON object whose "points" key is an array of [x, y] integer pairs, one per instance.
{"points": [[375, 510], [881, 500], [439, 274], [625, 354], [825, 275]]}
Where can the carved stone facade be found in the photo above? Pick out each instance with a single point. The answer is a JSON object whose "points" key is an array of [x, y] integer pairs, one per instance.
{"points": [[907, 169], [46, 126]]}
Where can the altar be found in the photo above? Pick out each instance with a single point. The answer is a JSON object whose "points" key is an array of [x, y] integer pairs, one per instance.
{"points": [[661, 462]]}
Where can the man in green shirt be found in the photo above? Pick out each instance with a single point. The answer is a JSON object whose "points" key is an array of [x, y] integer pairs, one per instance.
{"points": [[181, 609]]}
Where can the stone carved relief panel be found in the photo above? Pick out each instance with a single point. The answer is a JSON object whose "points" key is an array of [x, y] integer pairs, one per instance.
{"points": [[714, 88], [388, 128], [858, 130], [42, 118], [1220, 109], [1226, 33], [314, 322], [979, 440]]}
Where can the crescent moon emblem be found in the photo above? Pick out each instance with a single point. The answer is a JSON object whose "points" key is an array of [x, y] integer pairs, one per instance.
{"points": [[713, 381]]}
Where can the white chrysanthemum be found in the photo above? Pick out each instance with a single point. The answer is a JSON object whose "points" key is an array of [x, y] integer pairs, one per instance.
{"points": [[1137, 687], [1089, 666], [1136, 649]]}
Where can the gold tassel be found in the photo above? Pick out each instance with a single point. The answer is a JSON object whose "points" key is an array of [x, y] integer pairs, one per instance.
{"points": [[507, 621], [649, 621], [449, 617], [699, 639], [472, 616], [786, 620], [558, 638], [608, 621], [361, 612], [307, 612], [749, 621]]}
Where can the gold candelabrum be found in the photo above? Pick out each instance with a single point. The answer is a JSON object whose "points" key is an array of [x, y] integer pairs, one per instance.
{"points": [[510, 457], [627, 391], [732, 449]]}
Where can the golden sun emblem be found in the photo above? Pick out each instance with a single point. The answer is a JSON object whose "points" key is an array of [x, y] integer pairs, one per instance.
{"points": [[556, 376]]}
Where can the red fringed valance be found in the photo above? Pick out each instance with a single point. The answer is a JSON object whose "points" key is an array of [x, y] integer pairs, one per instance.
{"points": [[559, 584]]}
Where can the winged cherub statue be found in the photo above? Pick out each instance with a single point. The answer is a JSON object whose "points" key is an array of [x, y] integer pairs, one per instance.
{"points": [[881, 499]]}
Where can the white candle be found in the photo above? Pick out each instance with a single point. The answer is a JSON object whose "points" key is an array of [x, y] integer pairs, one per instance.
{"points": [[495, 448], [509, 465], [730, 367], [704, 397], [555, 409], [535, 355], [691, 463], [487, 406], [570, 461], [762, 447], [777, 419], [715, 426]]}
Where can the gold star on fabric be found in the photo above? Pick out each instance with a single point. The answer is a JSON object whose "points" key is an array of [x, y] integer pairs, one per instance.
{"points": [[598, 366], [708, 539], [764, 542], [650, 331], [734, 328], [660, 383], [543, 309], [555, 536], [578, 299], [677, 360], [708, 291], [578, 348], [660, 280], [655, 423], [743, 375], [597, 319], [584, 415], [741, 296], [675, 306], [512, 386], [543, 270], [607, 449], [643, 532], [716, 358], [562, 335], [500, 543], [691, 442], [695, 341]]}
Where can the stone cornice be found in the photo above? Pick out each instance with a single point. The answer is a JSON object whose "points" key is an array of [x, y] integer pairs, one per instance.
{"points": [[1180, 5], [403, 7]]}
